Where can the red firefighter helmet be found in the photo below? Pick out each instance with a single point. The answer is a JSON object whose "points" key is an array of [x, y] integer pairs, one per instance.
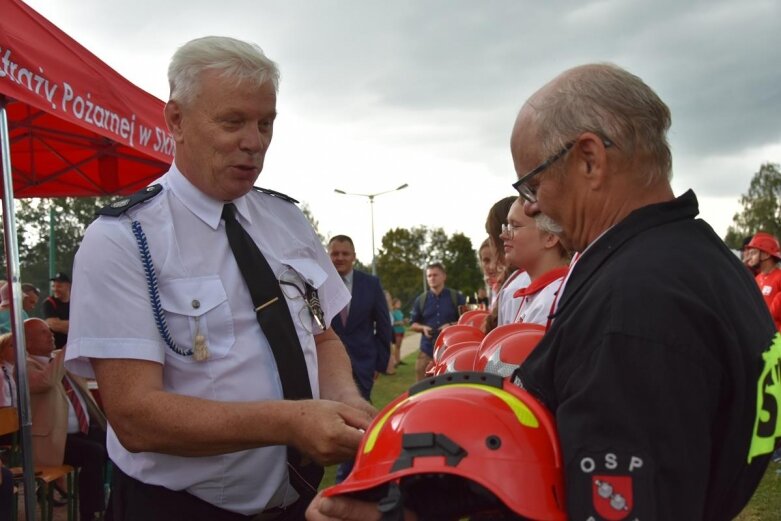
{"points": [[502, 354], [475, 318], [441, 366], [500, 332], [458, 445], [453, 335], [767, 243], [459, 357]]}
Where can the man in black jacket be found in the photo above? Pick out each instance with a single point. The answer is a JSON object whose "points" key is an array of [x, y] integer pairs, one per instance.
{"points": [[654, 360], [660, 366]]}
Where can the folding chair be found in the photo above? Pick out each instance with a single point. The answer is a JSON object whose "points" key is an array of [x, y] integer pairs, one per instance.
{"points": [[44, 476]]}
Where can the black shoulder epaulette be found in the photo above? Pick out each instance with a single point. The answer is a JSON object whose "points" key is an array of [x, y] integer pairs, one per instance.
{"points": [[120, 206], [274, 193]]}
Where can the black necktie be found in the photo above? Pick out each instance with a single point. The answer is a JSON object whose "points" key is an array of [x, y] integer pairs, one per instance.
{"points": [[274, 318], [10, 386], [271, 308]]}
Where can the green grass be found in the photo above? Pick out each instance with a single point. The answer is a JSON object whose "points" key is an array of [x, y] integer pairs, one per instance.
{"points": [[766, 503], [764, 506]]}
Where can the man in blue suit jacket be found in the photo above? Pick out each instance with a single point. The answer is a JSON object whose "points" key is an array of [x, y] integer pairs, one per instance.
{"points": [[364, 326]]}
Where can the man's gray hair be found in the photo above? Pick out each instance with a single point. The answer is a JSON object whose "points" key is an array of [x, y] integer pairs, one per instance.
{"points": [[236, 60], [612, 103]]}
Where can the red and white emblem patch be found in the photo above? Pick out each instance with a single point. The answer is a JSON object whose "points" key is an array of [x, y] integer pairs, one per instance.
{"points": [[612, 496], [611, 486]]}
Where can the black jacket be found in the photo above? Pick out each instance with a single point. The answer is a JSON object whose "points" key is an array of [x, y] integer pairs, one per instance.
{"points": [[651, 367]]}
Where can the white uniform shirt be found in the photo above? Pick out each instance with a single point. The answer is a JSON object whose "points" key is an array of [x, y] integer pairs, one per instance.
{"points": [[538, 299], [201, 289], [508, 304]]}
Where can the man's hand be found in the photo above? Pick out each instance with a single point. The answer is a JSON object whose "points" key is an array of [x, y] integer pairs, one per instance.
{"points": [[427, 331], [345, 509], [328, 432], [58, 325], [358, 402]]}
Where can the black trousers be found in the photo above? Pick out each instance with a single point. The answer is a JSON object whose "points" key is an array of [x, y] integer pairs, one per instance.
{"points": [[6, 493], [88, 451], [137, 501]]}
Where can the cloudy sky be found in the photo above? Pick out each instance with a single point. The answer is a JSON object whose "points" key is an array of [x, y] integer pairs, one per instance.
{"points": [[378, 93]]}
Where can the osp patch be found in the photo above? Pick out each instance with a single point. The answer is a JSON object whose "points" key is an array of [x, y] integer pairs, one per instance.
{"points": [[611, 486]]}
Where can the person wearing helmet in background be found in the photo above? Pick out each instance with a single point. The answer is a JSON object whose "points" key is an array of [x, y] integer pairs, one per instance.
{"points": [[658, 373], [745, 256], [763, 254]]}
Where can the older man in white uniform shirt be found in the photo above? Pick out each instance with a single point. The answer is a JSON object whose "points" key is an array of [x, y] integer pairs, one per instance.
{"points": [[207, 434]]}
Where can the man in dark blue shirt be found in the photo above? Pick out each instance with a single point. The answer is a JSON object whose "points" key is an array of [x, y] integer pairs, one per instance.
{"points": [[432, 310]]}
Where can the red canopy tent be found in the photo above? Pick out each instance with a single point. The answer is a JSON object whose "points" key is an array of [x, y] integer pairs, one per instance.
{"points": [[77, 128], [69, 126]]}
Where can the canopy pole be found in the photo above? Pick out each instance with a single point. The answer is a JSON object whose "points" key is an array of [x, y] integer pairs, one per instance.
{"points": [[52, 246], [17, 325]]}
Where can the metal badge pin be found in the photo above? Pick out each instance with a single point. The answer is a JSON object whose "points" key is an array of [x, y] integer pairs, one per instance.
{"points": [[313, 303], [120, 203]]}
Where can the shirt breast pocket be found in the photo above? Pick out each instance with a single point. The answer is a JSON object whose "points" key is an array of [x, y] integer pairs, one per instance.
{"points": [[300, 282], [194, 306]]}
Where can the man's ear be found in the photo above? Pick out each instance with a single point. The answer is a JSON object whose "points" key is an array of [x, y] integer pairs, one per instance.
{"points": [[590, 148], [173, 119]]}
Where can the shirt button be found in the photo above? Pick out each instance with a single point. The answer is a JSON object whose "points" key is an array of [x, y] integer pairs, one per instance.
{"points": [[196, 303]]}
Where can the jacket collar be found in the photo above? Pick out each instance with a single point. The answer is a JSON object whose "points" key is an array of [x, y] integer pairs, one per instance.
{"points": [[542, 281], [637, 222]]}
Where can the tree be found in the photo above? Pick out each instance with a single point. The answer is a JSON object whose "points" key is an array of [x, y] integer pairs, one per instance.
{"points": [[761, 207], [72, 216], [460, 260], [400, 262], [360, 266], [437, 245], [314, 222], [405, 253]]}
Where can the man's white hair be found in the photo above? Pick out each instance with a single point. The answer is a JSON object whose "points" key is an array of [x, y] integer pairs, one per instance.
{"points": [[548, 225], [234, 59]]}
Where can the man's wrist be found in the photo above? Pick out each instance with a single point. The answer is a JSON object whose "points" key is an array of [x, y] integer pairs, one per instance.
{"points": [[349, 395]]}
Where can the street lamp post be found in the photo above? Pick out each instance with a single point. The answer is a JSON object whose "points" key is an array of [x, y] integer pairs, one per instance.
{"points": [[371, 207]]}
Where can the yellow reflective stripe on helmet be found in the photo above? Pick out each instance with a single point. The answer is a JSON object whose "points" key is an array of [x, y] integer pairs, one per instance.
{"points": [[525, 416], [371, 437]]}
